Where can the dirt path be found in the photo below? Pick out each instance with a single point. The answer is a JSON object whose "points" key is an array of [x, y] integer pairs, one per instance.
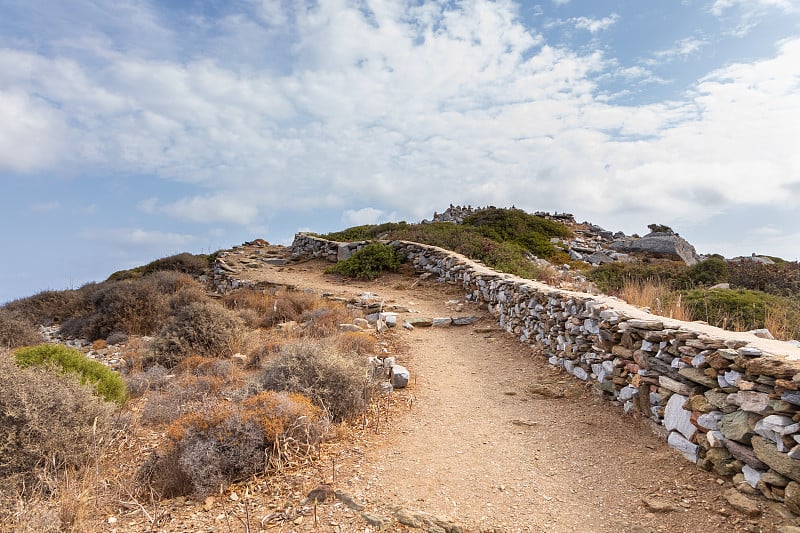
{"points": [[498, 440]]}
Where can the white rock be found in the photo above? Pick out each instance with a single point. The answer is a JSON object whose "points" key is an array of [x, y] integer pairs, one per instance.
{"points": [[678, 418], [755, 402], [710, 420], [627, 392], [580, 373], [780, 424], [715, 439], [751, 475], [687, 449], [698, 360], [399, 376], [731, 377]]}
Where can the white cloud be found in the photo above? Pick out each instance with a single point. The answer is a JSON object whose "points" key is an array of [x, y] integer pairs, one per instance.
{"points": [[359, 217], [406, 109], [33, 134], [681, 49], [215, 208], [747, 14], [720, 6], [137, 237], [593, 25]]}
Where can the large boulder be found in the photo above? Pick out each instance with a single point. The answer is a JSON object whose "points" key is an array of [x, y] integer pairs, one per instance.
{"points": [[662, 244]]}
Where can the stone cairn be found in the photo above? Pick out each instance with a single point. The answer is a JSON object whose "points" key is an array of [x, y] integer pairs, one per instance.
{"points": [[727, 401]]}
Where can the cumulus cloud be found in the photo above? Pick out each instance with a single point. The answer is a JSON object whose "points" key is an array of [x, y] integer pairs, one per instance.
{"points": [[359, 217], [403, 108]]}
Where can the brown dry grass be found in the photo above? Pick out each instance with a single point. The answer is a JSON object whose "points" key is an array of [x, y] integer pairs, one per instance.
{"points": [[356, 342], [657, 296]]}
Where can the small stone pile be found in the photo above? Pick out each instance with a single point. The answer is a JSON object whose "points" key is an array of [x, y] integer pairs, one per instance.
{"points": [[727, 401]]}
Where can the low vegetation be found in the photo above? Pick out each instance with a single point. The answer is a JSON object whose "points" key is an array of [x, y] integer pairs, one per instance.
{"points": [[760, 296], [51, 424], [199, 328], [106, 383], [221, 418], [368, 263], [503, 239], [337, 382], [211, 447]]}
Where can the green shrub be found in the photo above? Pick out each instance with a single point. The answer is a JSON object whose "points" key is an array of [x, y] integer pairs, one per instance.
{"points": [[709, 272], [200, 328], [741, 309], [531, 232], [500, 238], [47, 421], [780, 279], [107, 383], [369, 262], [16, 331], [336, 382]]}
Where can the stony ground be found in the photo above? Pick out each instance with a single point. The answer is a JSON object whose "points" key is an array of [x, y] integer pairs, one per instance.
{"points": [[486, 438], [492, 438]]}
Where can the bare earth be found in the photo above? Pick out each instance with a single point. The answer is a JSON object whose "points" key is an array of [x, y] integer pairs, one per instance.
{"points": [[491, 436]]}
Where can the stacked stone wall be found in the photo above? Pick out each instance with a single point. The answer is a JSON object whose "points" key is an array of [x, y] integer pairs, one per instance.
{"points": [[727, 401]]}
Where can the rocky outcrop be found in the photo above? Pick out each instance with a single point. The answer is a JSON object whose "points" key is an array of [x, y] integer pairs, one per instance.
{"points": [[726, 401], [662, 245]]}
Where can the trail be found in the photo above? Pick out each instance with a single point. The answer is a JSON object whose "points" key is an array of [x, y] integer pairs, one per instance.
{"points": [[493, 437]]}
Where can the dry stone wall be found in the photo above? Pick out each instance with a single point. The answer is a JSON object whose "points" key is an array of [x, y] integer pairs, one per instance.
{"points": [[727, 401]]}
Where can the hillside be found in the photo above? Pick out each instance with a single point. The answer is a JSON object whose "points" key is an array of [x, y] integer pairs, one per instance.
{"points": [[246, 351]]}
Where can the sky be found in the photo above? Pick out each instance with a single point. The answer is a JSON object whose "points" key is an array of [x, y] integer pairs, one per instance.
{"points": [[132, 130]]}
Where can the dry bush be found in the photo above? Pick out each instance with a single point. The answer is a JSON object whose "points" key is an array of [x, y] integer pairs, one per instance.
{"points": [[198, 329], [99, 344], [290, 306], [656, 295], [134, 307], [48, 421], [171, 282], [356, 342], [335, 381], [187, 294], [162, 408], [197, 365], [264, 349], [154, 378], [221, 443], [49, 306], [15, 331], [117, 337], [324, 319], [247, 298], [199, 388]]}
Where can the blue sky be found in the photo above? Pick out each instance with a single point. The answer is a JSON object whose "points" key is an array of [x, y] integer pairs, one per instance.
{"points": [[134, 129]]}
